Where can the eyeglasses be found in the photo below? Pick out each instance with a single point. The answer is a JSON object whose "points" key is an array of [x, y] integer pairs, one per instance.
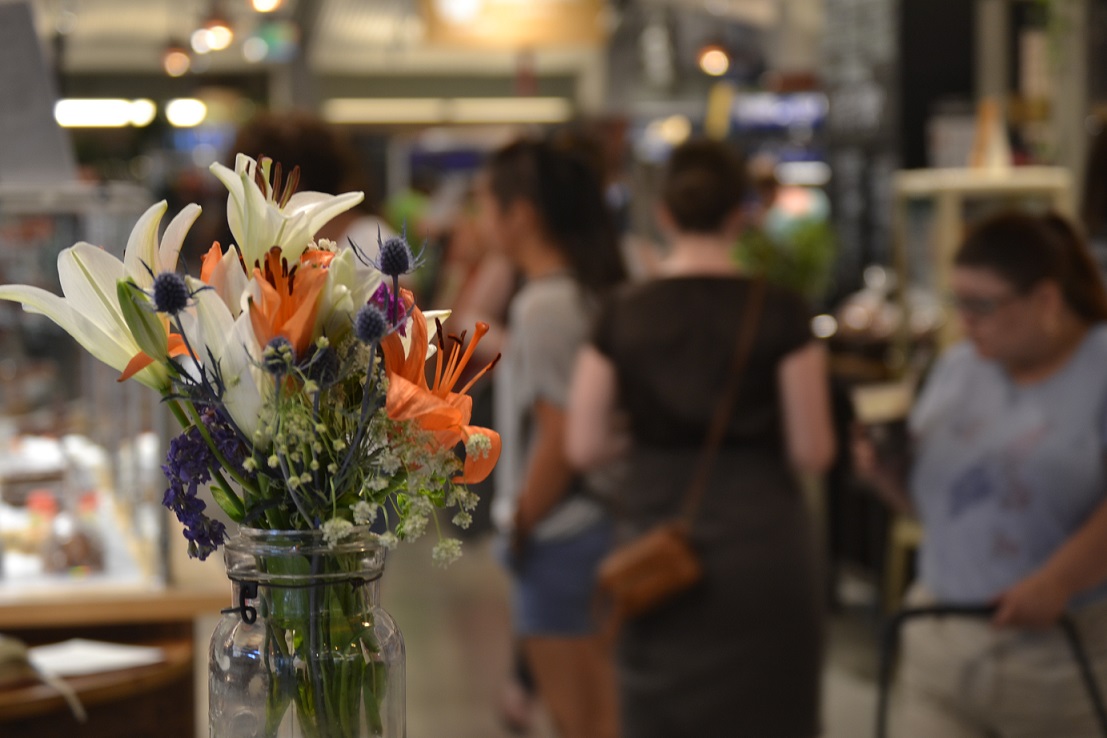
{"points": [[980, 307]]}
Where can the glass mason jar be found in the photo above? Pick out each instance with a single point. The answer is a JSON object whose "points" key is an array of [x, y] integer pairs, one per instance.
{"points": [[306, 651]]}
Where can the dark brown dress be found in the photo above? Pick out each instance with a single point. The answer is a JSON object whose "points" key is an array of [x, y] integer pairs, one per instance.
{"points": [[740, 655]]}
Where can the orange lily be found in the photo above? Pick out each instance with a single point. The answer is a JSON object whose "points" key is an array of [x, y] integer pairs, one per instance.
{"points": [[289, 300], [437, 408]]}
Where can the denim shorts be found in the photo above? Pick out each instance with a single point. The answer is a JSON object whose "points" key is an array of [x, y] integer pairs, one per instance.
{"points": [[553, 582]]}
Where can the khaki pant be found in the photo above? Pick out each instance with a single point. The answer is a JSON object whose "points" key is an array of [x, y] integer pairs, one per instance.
{"points": [[961, 678]]}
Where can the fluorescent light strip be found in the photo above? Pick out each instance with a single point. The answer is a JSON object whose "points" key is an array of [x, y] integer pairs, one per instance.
{"points": [[447, 110], [103, 112], [384, 110], [509, 110], [185, 112]]}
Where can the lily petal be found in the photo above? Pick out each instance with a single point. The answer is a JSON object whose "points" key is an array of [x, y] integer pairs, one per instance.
{"points": [[408, 401], [114, 349], [88, 277], [230, 343], [141, 254], [173, 239]]}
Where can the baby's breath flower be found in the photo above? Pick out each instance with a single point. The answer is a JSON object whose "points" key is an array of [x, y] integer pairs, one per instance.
{"points": [[376, 484], [446, 551], [365, 513], [463, 519], [478, 445], [466, 499], [388, 540], [335, 529], [414, 525]]}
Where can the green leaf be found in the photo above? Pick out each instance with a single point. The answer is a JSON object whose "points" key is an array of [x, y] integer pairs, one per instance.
{"points": [[145, 325], [229, 502]]}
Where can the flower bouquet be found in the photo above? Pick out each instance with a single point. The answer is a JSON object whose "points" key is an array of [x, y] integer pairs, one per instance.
{"points": [[298, 371]]}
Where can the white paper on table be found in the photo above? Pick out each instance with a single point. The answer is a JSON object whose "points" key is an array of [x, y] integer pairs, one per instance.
{"points": [[78, 656]]}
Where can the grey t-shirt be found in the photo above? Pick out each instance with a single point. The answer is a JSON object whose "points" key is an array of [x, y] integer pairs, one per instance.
{"points": [[1005, 473], [548, 322]]}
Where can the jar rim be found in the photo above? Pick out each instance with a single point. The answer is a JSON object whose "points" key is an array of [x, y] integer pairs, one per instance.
{"points": [[246, 552]]}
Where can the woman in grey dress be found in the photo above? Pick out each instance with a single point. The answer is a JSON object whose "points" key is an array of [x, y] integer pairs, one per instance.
{"points": [[740, 654]]}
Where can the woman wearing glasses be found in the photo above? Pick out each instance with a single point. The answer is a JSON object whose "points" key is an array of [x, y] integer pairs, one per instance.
{"points": [[1009, 481]]}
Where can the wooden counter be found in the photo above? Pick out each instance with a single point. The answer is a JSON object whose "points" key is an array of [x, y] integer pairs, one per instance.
{"points": [[110, 607], [145, 701]]}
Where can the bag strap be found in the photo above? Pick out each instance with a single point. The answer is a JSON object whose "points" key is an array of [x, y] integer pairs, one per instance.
{"points": [[693, 496]]}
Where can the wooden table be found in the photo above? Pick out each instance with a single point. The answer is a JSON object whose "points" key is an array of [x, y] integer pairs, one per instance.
{"points": [[142, 702]]}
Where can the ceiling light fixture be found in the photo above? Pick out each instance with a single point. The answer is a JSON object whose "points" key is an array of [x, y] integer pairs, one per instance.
{"points": [[186, 112], [175, 60], [219, 31], [266, 6], [460, 110], [201, 40], [713, 60], [458, 11], [104, 112]]}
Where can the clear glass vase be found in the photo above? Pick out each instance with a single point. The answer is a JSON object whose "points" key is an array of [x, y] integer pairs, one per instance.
{"points": [[306, 650]]}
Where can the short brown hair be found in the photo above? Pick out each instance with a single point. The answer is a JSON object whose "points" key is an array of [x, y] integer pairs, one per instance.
{"points": [[1024, 249], [704, 182]]}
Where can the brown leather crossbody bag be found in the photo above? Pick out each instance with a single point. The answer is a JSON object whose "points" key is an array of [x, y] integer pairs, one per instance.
{"points": [[660, 564]]}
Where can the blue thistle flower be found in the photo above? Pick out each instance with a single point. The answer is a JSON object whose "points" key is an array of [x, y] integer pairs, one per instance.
{"points": [[370, 325], [277, 356], [171, 294], [395, 257]]}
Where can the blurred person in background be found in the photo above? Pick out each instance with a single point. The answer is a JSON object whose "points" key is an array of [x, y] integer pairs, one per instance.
{"points": [[739, 654], [1009, 481], [544, 208]]}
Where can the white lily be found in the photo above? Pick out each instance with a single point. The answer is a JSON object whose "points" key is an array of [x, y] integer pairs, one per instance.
{"points": [[349, 286], [89, 309], [229, 352], [261, 217]]}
